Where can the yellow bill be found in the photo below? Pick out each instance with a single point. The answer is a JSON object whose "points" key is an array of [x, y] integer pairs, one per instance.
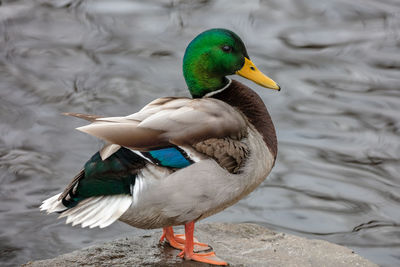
{"points": [[250, 71]]}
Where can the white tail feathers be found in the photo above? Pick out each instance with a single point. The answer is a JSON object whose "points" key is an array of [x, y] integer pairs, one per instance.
{"points": [[95, 211], [52, 204]]}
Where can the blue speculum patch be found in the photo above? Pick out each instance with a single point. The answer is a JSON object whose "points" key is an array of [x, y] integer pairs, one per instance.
{"points": [[171, 157]]}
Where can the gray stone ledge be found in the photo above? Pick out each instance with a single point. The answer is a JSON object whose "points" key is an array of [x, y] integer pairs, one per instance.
{"points": [[239, 244]]}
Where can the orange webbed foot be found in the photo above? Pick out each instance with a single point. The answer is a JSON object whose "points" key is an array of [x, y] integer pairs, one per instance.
{"points": [[189, 254], [208, 257], [168, 234], [198, 246]]}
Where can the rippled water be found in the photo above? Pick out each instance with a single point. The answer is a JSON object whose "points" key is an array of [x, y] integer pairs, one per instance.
{"points": [[337, 175]]}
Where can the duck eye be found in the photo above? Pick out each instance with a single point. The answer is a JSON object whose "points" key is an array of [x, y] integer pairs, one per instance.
{"points": [[227, 48]]}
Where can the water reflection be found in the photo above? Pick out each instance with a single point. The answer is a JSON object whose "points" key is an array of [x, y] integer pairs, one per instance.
{"points": [[337, 118]]}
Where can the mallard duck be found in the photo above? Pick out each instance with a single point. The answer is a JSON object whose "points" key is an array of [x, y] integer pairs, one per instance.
{"points": [[179, 160]]}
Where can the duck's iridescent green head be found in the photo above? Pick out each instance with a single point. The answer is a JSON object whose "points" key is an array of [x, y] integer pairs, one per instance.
{"points": [[214, 54]]}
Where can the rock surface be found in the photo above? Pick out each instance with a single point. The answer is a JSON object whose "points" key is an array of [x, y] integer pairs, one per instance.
{"points": [[239, 244]]}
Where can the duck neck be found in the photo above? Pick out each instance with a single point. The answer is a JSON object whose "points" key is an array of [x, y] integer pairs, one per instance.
{"points": [[200, 84]]}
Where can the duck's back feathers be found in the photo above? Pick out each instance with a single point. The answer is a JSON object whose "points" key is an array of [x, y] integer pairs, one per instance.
{"points": [[163, 129], [167, 121]]}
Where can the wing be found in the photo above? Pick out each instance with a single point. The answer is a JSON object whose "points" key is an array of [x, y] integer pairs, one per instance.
{"points": [[171, 121]]}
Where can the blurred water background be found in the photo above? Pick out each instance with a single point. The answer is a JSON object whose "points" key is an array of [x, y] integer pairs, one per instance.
{"points": [[337, 117]]}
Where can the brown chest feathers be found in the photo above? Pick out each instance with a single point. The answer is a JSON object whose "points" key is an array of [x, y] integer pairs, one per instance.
{"points": [[229, 153], [251, 105]]}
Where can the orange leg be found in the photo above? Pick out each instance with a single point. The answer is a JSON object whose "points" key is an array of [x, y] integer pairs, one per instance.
{"points": [[164, 234], [188, 253], [178, 241]]}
